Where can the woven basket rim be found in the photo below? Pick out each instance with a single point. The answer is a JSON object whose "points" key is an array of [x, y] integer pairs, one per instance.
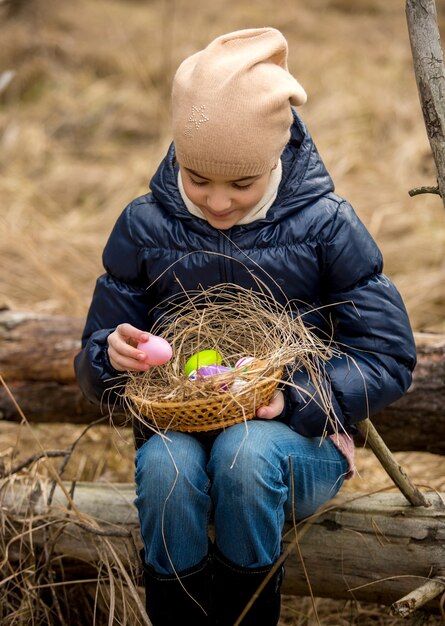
{"points": [[275, 375]]}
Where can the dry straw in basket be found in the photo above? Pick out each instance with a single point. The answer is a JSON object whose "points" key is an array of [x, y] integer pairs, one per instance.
{"points": [[237, 323]]}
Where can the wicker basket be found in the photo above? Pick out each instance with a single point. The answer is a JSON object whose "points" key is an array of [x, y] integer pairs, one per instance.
{"points": [[215, 412]]}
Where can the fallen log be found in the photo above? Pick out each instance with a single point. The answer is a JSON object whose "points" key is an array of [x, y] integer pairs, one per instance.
{"points": [[372, 548], [418, 418], [36, 361]]}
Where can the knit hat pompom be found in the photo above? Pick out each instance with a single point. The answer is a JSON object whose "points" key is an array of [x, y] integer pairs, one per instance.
{"points": [[231, 104]]}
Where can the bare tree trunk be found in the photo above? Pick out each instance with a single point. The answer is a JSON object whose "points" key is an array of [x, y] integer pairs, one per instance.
{"points": [[430, 77]]}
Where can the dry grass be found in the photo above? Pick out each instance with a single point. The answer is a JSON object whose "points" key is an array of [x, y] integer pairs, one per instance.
{"points": [[38, 584], [84, 122]]}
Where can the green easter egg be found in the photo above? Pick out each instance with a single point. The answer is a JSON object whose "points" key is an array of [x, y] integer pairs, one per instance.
{"points": [[201, 359]]}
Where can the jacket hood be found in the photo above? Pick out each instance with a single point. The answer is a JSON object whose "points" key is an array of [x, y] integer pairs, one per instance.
{"points": [[304, 178]]}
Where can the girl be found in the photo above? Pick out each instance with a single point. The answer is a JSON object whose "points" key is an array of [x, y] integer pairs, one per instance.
{"points": [[243, 181]]}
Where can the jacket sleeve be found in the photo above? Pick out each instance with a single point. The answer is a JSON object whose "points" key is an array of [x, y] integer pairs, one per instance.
{"points": [[375, 355], [119, 296]]}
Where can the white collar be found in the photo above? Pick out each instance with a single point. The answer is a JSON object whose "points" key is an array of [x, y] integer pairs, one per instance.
{"points": [[257, 212]]}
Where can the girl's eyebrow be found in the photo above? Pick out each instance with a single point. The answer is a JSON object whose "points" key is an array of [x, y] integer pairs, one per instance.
{"points": [[237, 180]]}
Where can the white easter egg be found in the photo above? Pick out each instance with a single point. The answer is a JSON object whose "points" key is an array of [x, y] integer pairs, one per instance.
{"points": [[244, 362], [238, 385]]}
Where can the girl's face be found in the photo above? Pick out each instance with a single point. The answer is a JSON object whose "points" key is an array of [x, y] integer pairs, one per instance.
{"points": [[223, 200]]}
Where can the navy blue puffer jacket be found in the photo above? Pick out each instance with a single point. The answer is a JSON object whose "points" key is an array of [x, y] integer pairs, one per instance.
{"points": [[313, 246]]}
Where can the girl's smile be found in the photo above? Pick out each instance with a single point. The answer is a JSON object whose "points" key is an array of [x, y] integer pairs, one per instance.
{"points": [[223, 200]]}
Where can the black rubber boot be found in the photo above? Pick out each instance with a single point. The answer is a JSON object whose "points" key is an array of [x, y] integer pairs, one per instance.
{"points": [[235, 586], [182, 599]]}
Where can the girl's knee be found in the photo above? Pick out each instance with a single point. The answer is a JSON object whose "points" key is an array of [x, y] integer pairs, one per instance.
{"points": [[243, 455], [162, 461], [245, 444]]}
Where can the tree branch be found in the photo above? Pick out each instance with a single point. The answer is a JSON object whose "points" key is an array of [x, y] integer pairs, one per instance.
{"points": [[420, 190], [430, 78]]}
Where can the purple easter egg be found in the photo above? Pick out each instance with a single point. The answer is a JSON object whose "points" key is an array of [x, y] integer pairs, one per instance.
{"points": [[212, 370]]}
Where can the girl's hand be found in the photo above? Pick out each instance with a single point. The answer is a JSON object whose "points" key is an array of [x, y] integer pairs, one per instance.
{"points": [[122, 351], [273, 409]]}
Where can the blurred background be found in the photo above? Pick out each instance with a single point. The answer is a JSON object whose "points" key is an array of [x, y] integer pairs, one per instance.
{"points": [[84, 122]]}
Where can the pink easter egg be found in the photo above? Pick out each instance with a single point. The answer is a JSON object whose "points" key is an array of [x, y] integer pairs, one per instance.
{"points": [[158, 351]]}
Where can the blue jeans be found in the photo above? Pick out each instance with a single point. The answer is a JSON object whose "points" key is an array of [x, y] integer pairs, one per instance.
{"points": [[244, 481]]}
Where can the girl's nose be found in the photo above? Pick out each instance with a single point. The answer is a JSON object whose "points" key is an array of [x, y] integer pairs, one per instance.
{"points": [[218, 200]]}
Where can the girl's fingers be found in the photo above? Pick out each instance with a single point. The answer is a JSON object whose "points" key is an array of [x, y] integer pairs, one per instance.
{"points": [[273, 409], [124, 363], [122, 349], [127, 331]]}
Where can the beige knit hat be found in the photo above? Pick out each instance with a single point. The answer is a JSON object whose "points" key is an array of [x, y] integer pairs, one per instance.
{"points": [[231, 104]]}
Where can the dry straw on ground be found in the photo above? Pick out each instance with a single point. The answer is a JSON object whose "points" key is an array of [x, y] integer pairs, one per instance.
{"points": [[85, 121], [34, 584]]}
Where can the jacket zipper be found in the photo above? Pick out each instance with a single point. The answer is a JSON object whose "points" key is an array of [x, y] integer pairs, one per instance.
{"points": [[226, 265]]}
